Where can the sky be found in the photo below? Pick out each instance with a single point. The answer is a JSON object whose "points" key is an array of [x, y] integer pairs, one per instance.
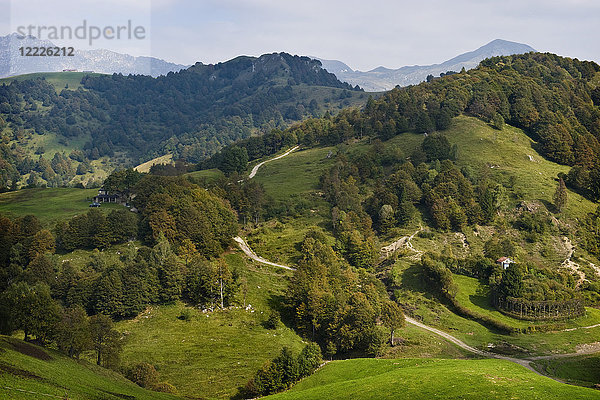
{"points": [[363, 34]]}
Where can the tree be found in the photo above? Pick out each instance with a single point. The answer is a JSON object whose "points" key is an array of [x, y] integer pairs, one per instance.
{"points": [[436, 147], [143, 374], [560, 195], [106, 341], [309, 359], [386, 217], [288, 365], [392, 318], [423, 123], [40, 269], [30, 309], [41, 243], [169, 269], [187, 251], [497, 121], [225, 280], [73, 334], [512, 281], [108, 296], [234, 159]]}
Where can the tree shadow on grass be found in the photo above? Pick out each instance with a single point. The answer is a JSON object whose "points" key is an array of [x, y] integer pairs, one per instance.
{"points": [[482, 298], [413, 279]]}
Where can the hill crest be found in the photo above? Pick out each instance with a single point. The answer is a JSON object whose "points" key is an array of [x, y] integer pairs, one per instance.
{"points": [[382, 78]]}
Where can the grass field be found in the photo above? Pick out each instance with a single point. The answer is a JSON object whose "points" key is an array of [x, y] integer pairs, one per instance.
{"points": [[29, 372], [49, 205], [206, 175], [583, 370], [213, 354], [297, 174], [145, 167], [57, 79], [295, 179], [429, 379]]}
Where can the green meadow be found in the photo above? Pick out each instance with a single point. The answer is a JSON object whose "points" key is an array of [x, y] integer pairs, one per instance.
{"points": [[429, 379], [30, 372], [50, 204], [57, 79], [213, 353]]}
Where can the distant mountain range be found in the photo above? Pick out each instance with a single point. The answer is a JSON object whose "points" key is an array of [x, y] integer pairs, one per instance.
{"points": [[381, 78], [102, 61]]}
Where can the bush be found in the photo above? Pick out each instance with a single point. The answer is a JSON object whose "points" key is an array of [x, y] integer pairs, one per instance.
{"points": [[309, 360], [282, 372], [144, 375], [426, 234], [165, 387]]}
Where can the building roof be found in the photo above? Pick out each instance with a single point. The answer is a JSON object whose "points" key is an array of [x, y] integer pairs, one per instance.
{"points": [[504, 259]]}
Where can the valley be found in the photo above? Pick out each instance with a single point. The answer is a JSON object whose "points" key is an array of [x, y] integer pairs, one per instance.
{"points": [[360, 252]]}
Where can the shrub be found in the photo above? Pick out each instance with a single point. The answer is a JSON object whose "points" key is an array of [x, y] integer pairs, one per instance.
{"points": [[309, 359], [143, 374], [165, 387]]}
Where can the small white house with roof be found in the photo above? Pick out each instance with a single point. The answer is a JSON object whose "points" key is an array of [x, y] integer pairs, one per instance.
{"points": [[504, 261]]}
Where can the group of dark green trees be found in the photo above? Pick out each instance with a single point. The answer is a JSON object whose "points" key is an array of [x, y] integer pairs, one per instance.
{"points": [[184, 229], [283, 371], [346, 310]]}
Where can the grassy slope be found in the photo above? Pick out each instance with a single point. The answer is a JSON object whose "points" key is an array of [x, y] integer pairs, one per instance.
{"points": [[330, 99], [52, 375], [57, 79], [292, 179], [145, 167], [508, 152], [49, 205], [583, 370], [208, 175], [428, 379], [213, 353], [480, 146]]}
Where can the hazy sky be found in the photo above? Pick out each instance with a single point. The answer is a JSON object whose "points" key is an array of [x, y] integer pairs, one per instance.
{"points": [[363, 34]]}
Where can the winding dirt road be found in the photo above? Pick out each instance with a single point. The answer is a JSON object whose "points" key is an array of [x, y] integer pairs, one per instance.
{"points": [[405, 242], [248, 251], [241, 243], [523, 362], [257, 166]]}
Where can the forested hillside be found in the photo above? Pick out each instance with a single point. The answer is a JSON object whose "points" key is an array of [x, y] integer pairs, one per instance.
{"points": [[190, 114], [555, 100], [389, 186]]}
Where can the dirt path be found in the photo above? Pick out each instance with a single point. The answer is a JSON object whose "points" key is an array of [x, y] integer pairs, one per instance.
{"points": [[248, 251], [403, 242], [524, 362], [257, 166], [570, 264]]}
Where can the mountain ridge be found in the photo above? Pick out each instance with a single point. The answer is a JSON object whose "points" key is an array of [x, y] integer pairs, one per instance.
{"points": [[97, 60], [383, 78]]}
